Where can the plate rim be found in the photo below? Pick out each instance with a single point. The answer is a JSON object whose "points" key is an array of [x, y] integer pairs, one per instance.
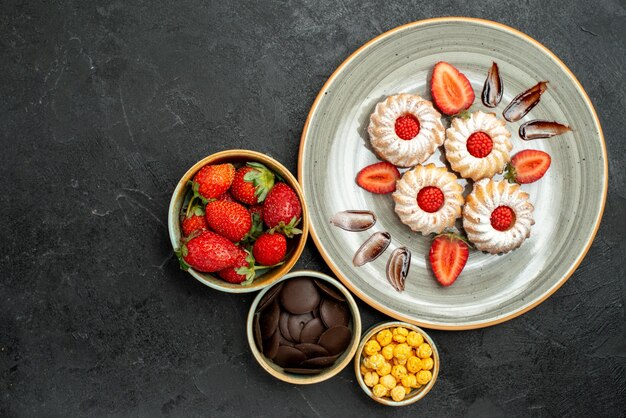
{"points": [[481, 324]]}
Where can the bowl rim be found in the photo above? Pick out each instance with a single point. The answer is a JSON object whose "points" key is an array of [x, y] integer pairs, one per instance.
{"points": [[337, 367], [418, 395], [242, 154]]}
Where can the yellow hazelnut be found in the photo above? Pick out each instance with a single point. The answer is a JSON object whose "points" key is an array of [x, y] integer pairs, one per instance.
{"points": [[387, 351], [385, 369], [409, 381], [402, 351], [428, 363], [399, 362], [364, 369], [370, 379], [398, 393], [424, 350], [379, 390], [384, 337], [388, 381], [414, 364], [371, 347], [398, 371], [414, 339], [375, 361], [423, 376]]}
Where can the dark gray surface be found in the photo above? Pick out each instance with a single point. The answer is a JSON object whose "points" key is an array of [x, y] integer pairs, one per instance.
{"points": [[104, 106]]}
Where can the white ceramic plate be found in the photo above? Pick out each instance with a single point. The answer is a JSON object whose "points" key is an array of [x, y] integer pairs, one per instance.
{"points": [[568, 201]]}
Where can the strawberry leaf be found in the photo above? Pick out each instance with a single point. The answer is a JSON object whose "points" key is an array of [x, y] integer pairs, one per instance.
{"points": [[180, 253], [289, 230], [255, 230], [262, 178], [466, 114], [511, 173]]}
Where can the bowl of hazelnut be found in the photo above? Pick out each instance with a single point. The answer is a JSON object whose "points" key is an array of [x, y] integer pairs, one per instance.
{"points": [[396, 363]]}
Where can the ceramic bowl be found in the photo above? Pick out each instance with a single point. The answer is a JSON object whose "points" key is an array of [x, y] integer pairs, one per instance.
{"points": [[300, 379], [568, 200], [416, 394], [239, 157]]}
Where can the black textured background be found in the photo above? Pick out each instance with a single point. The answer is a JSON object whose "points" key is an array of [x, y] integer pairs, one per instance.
{"points": [[104, 105]]}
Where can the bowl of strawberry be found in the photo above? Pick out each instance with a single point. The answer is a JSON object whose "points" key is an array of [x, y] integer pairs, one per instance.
{"points": [[237, 221]]}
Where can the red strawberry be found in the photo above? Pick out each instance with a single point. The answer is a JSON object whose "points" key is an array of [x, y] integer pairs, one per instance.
{"points": [[229, 219], [193, 220], [213, 180], [270, 249], [502, 218], [193, 223], [527, 166], [256, 209], [378, 178], [448, 255], [282, 210], [407, 127], [451, 90], [430, 199], [479, 144], [207, 252], [230, 274], [227, 197], [252, 183]]}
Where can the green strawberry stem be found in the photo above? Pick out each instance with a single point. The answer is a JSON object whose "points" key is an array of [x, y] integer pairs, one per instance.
{"points": [[255, 230], [262, 178], [511, 173], [289, 230], [250, 272], [195, 188], [180, 253]]}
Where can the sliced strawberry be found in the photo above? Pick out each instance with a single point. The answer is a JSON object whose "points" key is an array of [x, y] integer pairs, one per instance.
{"points": [[528, 166], [448, 255], [451, 90], [378, 178]]}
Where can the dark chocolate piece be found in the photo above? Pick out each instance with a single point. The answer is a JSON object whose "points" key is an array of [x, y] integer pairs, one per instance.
{"points": [[372, 248], [270, 345], [493, 87], [269, 297], [319, 362], [336, 339], [312, 331], [354, 220], [288, 356], [312, 350], [283, 325], [299, 296], [268, 320], [330, 291], [334, 313], [296, 323]]}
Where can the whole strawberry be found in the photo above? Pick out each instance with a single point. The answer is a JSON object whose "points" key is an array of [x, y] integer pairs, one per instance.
{"points": [[193, 222], [229, 219], [258, 209], [213, 180], [252, 183], [282, 210], [227, 197], [230, 274], [207, 252], [270, 249]]}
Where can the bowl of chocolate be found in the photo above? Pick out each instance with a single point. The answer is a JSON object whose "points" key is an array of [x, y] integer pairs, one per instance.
{"points": [[305, 328]]}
